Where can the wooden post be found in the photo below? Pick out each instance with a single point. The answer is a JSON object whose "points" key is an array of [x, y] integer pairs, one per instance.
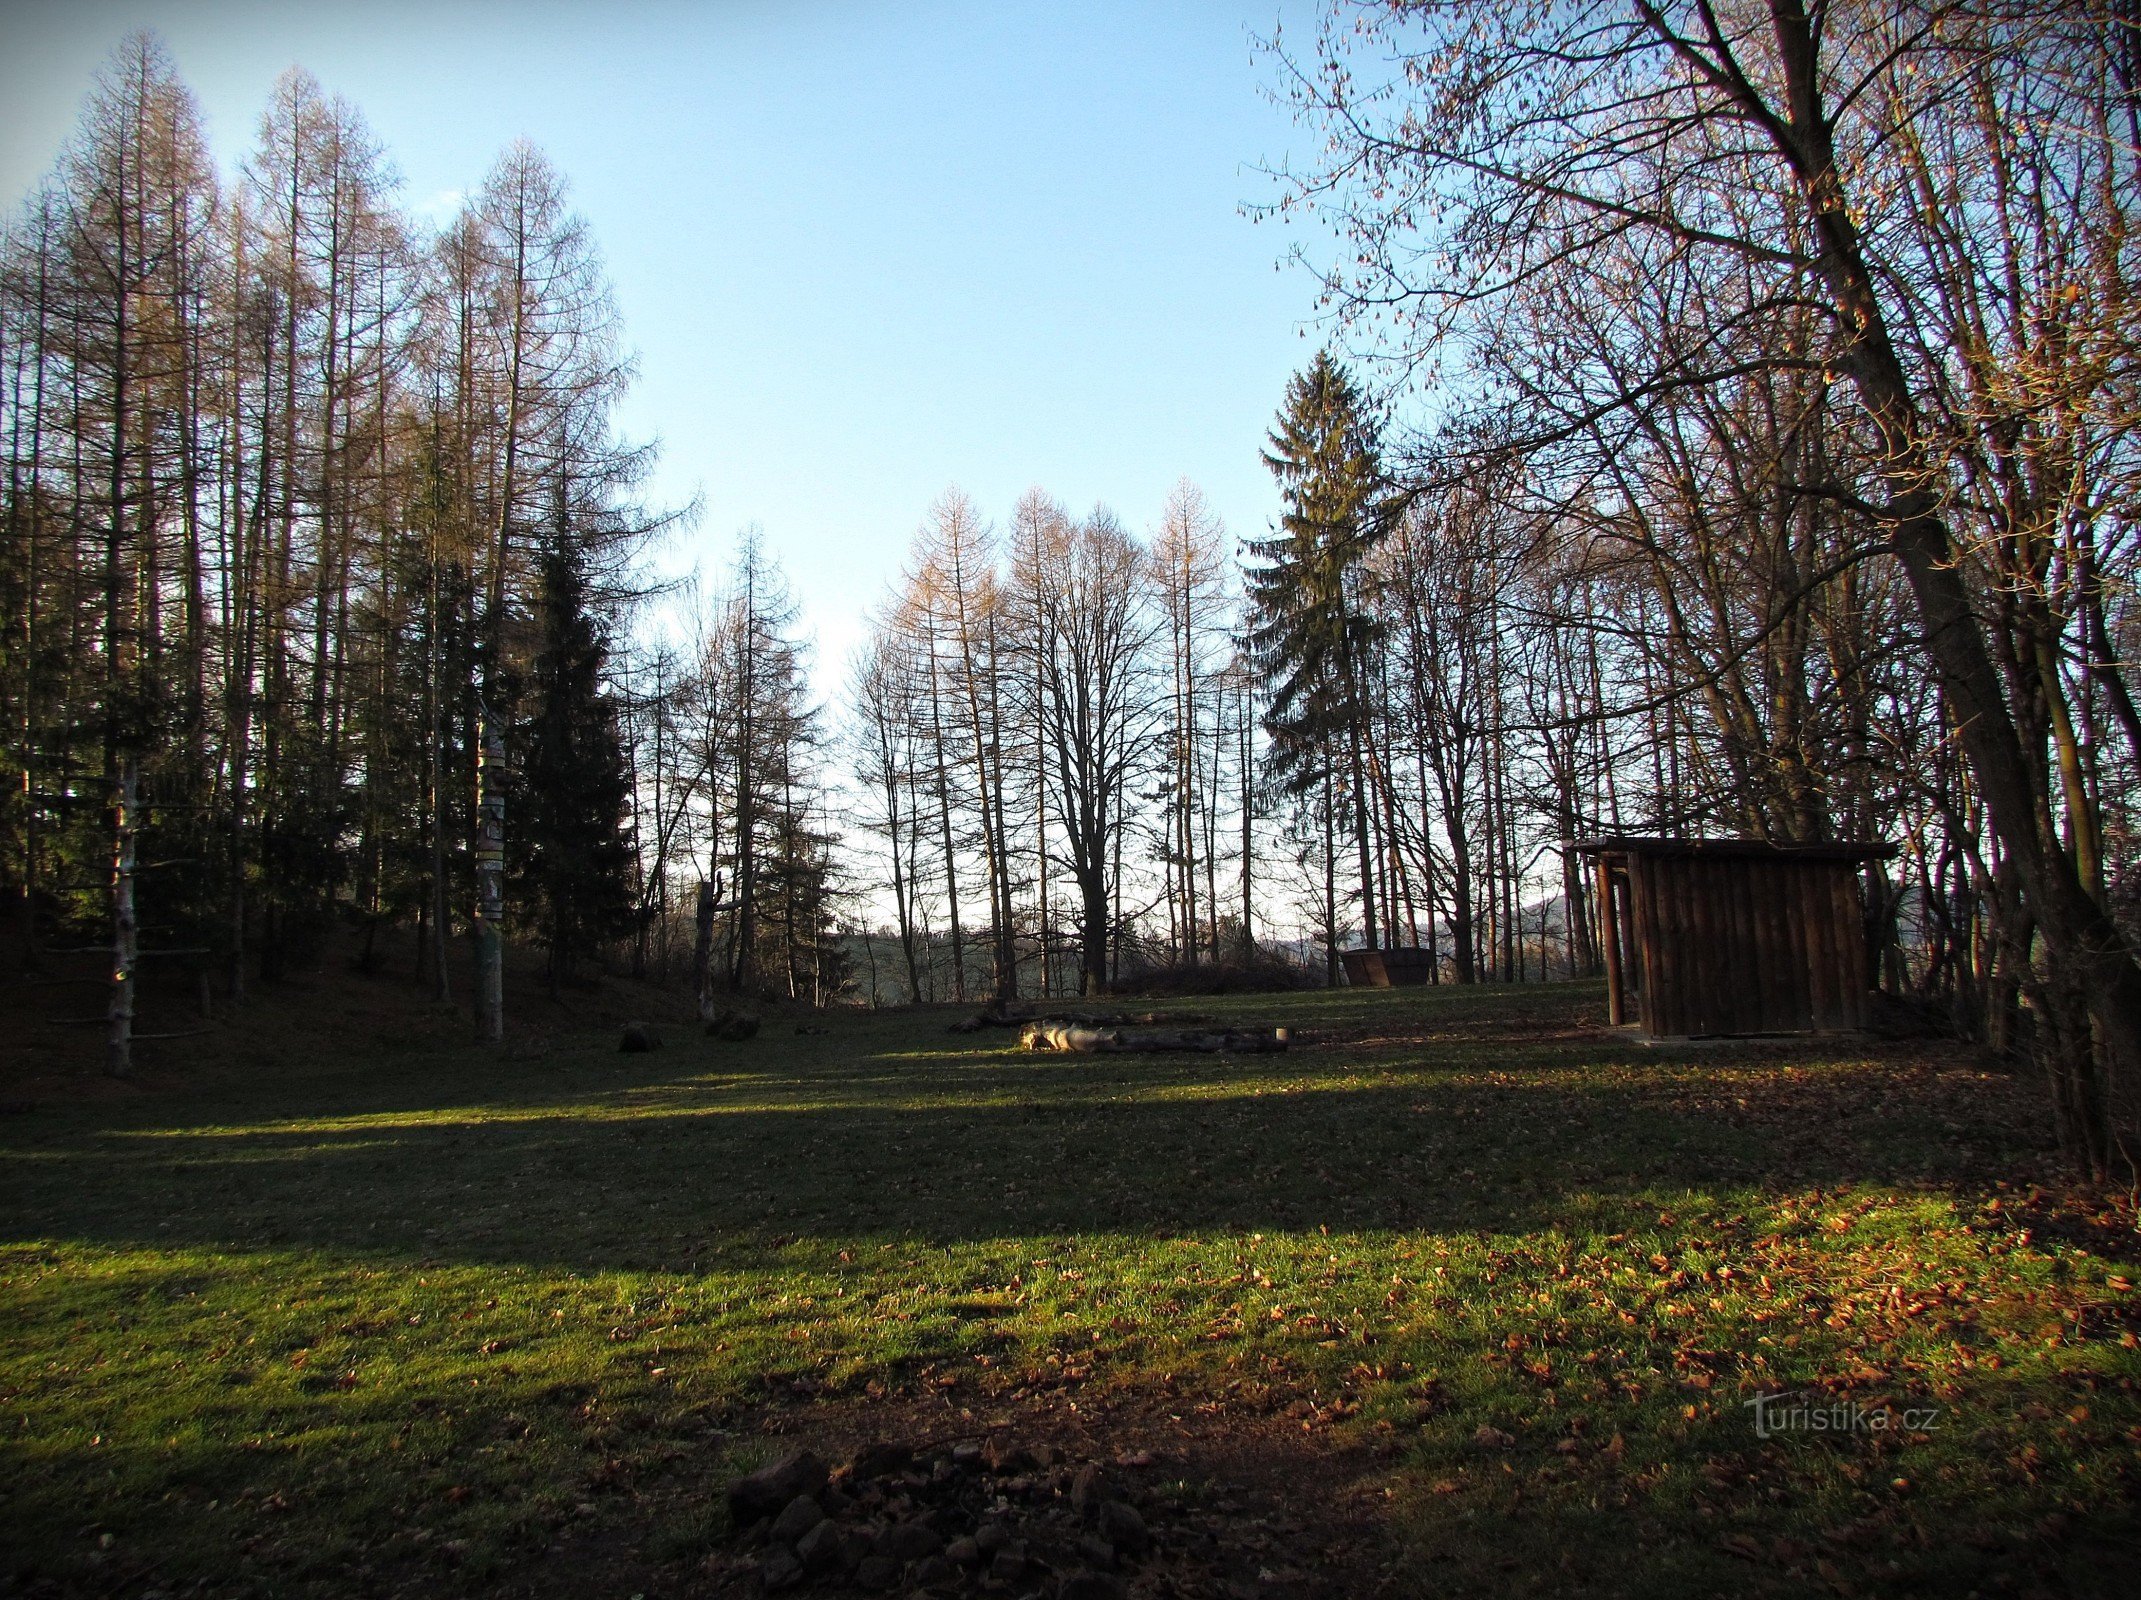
{"points": [[1640, 955], [126, 933], [490, 879], [1616, 1001]]}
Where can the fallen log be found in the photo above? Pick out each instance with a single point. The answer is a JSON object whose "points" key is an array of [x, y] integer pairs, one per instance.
{"points": [[1067, 1034], [1011, 1017], [994, 1017], [1076, 1036]]}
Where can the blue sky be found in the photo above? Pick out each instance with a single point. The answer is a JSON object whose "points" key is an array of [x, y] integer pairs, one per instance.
{"points": [[863, 251]]}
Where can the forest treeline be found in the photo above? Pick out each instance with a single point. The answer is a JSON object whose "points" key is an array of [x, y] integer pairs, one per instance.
{"points": [[1082, 752], [1734, 437], [1785, 353], [303, 500], [309, 501], [1780, 368]]}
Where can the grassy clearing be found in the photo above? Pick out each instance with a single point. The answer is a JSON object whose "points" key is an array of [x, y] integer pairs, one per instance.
{"points": [[407, 1316]]}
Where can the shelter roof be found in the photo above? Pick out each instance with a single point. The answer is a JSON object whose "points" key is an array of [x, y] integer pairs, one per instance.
{"points": [[1729, 849]]}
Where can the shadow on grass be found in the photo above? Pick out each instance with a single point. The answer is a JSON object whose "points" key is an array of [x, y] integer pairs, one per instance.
{"points": [[376, 1282], [892, 1129]]}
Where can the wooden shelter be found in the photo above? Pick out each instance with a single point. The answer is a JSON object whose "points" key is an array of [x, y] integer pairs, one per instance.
{"points": [[1707, 937], [1383, 969]]}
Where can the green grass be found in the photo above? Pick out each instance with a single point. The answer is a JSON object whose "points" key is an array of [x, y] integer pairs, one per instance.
{"points": [[356, 1318]]}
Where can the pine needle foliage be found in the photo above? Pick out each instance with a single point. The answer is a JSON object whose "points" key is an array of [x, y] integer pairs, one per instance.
{"points": [[576, 854], [1310, 628]]}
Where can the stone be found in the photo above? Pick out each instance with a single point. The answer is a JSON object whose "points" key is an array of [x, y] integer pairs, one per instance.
{"points": [[824, 1549], [1009, 1563], [965, 1551], [999, 1454], [768, 1491], [966, 1455], [909, 1541], [797, 1518], [1096, 1552], [638, 1040], [1089, 1489], [991, 1537], [1091, 1586], [734, 1026], [877, 1572], [881, 1461], [780, 1571], [934, 1570], [1123, 1526]]}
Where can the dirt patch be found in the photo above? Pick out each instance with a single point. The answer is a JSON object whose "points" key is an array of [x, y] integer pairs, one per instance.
{"points": [[1077, 1493]]}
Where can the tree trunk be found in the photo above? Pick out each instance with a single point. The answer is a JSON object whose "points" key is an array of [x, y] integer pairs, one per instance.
{"points": [[126, 948], [2083, 947], [490, 881], [702, 949], [1093, 889]]}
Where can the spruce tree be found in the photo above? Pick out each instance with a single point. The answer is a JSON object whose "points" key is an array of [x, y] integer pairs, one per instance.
{"points": [[1311, 632], [574, 851]]}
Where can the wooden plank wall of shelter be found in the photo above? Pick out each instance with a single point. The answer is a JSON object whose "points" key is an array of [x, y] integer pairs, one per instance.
{"points": [[1384, 969], [1733, 937], [1748, 946]]}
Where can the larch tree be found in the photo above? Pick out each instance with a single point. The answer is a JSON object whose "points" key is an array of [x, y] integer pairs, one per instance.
{"points": [[264, 534], [138, 197], [1189, 571]]}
